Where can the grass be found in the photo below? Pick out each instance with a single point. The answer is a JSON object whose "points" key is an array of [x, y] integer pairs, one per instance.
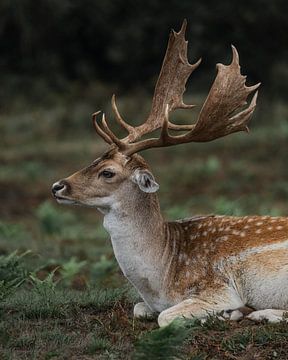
{"points": [[67, 298]]}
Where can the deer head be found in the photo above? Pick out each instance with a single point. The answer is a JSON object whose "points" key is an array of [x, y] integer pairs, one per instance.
{"points": [[97, 185], [120, 169]]}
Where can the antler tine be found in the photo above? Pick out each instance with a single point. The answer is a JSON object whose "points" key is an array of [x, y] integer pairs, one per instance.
{"points": [[98, 129], [106, 133], [243, 117], [164, 131], [118, 117], [111, 135], [179, 127]]}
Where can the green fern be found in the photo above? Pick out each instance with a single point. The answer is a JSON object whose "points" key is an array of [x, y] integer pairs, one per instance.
{"points": [[52, 220], [45, 288], [12, 274], [70, 269], [164, 343]]}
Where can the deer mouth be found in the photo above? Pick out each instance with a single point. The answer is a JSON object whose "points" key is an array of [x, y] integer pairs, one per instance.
{"points": [[64, 200]]}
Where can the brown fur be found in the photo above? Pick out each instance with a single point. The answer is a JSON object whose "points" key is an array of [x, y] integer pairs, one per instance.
{"points": [[201, 242]]}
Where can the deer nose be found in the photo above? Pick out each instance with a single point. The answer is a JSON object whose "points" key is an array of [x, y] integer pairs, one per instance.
{"points": [[60, 185]]}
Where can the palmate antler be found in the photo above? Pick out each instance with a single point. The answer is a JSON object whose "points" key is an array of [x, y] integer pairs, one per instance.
{"points": [[220, 115]]}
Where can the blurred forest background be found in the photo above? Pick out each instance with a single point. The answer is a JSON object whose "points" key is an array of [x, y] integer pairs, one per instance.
{"points": [[121, 42], [60, 61]]}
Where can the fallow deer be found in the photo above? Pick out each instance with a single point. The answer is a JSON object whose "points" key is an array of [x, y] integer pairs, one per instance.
{"points": [[191, 267]]}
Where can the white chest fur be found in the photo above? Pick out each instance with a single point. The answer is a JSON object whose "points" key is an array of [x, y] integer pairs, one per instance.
{"points": [[136, 257]]}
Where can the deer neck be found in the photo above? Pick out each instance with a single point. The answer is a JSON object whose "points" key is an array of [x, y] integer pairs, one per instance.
{"points": [[136, 227], [134, 223]]}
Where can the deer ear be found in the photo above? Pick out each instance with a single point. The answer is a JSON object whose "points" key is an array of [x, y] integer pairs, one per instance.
{"points": [[145, 180]]}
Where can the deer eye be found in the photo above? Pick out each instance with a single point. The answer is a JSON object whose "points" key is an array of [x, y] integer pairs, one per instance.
{"points": [[107, 174]]}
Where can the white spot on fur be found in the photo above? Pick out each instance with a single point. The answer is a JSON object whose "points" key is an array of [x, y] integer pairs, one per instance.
{"points": [[222, 238]]}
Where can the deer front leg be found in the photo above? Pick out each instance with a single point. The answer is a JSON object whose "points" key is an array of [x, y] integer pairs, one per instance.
{"points": [[201, 306], [142, 311]]}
